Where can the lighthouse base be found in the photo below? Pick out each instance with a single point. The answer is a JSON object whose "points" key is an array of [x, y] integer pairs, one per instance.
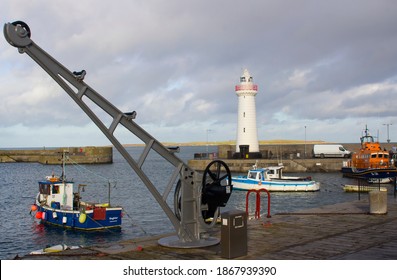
{"points": [[243, 155]]}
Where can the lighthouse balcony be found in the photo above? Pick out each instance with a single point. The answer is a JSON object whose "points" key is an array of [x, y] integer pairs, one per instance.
{"points": [[246, 87]]}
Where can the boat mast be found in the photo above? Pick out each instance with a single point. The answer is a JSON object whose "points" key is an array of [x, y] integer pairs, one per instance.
{"points": [[63, 166]]}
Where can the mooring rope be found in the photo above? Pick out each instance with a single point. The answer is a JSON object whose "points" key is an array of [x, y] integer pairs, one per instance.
{"points": [[78, 167], [132, 221], [98, 223]]}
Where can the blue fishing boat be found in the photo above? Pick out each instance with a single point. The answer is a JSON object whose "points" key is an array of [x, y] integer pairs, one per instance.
{"points": [[59, 204], [260, 178]]}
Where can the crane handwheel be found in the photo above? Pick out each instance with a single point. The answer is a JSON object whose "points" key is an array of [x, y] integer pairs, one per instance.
{"points": [[216, 189]]}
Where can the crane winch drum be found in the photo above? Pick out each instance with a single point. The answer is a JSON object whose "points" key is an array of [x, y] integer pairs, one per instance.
{"points": [[197, 197]]}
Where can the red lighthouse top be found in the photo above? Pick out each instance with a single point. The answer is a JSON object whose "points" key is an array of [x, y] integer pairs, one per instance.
{"points": [[246, 82]]}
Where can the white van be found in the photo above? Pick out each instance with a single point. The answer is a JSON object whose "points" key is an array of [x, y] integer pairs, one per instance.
{"points": [[330, 150]]}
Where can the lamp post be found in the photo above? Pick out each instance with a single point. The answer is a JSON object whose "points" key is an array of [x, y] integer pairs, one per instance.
{"points": [[388, 138], [305, 142], [208, 131]]}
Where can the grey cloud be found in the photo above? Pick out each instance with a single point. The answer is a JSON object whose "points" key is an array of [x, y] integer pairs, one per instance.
{"points": [[135, 51]]}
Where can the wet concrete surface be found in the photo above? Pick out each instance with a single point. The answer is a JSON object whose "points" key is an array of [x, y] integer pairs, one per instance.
{"points": [[345, 231]]}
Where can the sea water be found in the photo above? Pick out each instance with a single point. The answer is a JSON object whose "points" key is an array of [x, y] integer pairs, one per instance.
{"points": [[21, 233]]}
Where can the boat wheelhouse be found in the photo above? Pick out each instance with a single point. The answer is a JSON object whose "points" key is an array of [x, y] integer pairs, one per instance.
{"points": [[276, 173]]}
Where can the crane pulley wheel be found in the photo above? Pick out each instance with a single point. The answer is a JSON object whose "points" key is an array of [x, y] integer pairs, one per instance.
{"points": [[24, 26]]}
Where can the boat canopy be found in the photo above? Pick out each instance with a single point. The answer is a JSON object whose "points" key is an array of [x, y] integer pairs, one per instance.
{"points": [[258, 174]]}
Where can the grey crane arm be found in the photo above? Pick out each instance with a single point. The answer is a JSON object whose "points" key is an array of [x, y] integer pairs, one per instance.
{"points": [[188, 222]]}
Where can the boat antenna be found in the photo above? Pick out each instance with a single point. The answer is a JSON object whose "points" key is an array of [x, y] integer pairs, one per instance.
{"points": [[279, 155], [366, 130], [63, 175]]}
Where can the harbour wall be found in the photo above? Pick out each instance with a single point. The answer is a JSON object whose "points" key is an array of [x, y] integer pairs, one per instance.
{"points": [[80, 155], [294, 158], [291, 151], [290, 165]]}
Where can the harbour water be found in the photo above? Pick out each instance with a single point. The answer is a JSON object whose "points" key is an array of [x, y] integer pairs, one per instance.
{"points": [[21, 233]]}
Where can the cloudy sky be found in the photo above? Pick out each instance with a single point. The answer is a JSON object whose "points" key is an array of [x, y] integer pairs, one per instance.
{"points": [[324, 69]]}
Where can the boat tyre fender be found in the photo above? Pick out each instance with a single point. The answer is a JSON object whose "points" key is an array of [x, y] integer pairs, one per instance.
{"points": [[260, 183]]}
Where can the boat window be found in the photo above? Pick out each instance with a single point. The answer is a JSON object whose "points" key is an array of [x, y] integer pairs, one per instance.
{"points": [[55, 189], [242, 79], [373, 155], [380, 155], [252, 175], [44, 189], [386, 155]]}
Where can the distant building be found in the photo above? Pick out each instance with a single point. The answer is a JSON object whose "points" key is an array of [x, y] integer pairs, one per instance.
{"points": [[247, 144]]}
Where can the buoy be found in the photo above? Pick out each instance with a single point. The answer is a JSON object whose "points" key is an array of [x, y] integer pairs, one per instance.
{"points": [[139, 249], [33, 207], [55, 248], [54, 215], [82, 218], [64, 219], [39, 214], [43, 216]]}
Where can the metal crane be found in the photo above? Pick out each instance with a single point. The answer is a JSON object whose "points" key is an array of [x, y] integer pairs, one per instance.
{"points": [[197, 197]]}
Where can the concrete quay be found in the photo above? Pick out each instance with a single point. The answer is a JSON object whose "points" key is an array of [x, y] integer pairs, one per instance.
{"points": [[344, 231]]}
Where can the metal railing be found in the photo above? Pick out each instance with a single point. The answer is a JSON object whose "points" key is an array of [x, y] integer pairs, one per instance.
{"points": [[258, 202]]}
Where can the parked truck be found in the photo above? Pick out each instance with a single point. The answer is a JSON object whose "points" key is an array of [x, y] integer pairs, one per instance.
{"points": [[330, 150]]}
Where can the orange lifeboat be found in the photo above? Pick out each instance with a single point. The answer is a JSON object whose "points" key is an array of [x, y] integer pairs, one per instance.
{"points": [[371, 161], [370, 155]]}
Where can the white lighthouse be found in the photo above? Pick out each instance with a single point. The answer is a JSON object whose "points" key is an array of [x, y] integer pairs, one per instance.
{"points": [[247, 134]]}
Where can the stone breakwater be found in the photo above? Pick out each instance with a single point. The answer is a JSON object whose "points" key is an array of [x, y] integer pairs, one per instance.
{"points": [[80, 155]]}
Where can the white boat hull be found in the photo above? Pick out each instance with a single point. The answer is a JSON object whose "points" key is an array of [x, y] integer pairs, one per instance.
{"points": [[244, 184]]}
